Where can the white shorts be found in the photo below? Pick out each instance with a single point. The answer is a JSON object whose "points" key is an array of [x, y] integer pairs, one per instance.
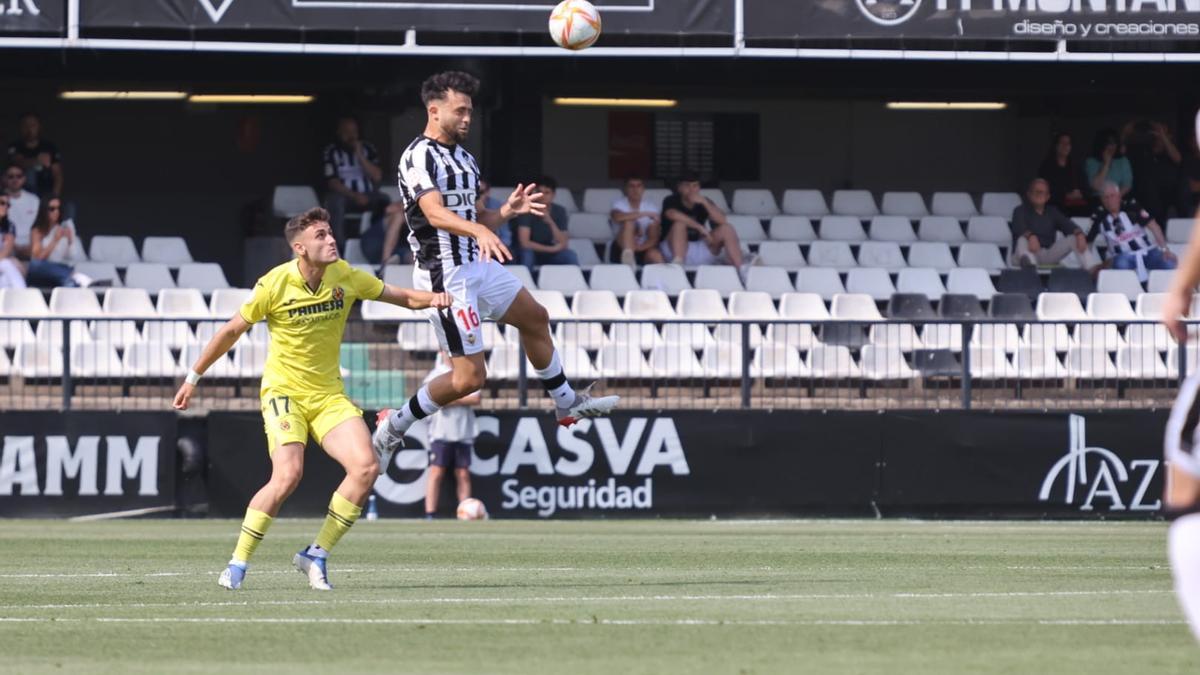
{"points": [[1182, 443], [480, 291], [697, 254]]}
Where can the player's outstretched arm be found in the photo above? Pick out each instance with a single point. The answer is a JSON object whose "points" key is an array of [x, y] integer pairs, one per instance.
{"points": [[414, 299], [1179, 298], [490, 246], [220, 344]]}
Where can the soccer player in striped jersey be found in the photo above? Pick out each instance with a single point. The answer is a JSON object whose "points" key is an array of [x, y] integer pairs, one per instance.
{"points": [[305, 303], [1182, 445], [457, 251]]}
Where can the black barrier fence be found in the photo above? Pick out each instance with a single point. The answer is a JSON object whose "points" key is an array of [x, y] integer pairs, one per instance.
{"points": [[867, 362], [86, 463], [696, 464]]}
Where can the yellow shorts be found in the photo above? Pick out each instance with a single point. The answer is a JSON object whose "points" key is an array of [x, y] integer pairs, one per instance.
{"points": [[290, 419]]}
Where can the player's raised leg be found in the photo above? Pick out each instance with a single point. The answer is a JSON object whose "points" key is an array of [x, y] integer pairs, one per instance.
{"points": [[287, 467], [467, 375], [533, 322], [349, 444]]}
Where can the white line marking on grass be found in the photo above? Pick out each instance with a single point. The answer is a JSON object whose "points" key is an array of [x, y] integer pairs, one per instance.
{"points": [[516, 600], [611, 622], [198, 573]]}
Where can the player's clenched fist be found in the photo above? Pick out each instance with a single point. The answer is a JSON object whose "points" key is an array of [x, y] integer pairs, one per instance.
{"points": [[183, 396], [440, 300]]}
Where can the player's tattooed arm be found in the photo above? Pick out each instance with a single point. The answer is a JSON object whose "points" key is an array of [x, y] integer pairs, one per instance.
{"points": [[414, 299]]}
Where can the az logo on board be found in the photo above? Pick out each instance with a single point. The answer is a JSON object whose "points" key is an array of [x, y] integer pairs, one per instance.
{"points": [[888, 12]]}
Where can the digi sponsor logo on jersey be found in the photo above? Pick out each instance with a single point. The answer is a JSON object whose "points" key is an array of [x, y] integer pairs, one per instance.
{"points": [[21, 470], [455, 199], [1094, 476], [604, 470]]}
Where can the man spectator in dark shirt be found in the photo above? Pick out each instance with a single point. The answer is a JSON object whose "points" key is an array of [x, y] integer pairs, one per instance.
{"points": [[38, 157], [1156, 164], [352, 175], [543, 239], [1135, 240], [1035, 224], [697, 231]]}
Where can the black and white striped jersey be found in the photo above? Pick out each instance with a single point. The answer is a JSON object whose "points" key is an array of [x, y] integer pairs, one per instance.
{"points": [[342, 163], [1126, 231], [427, 166]]}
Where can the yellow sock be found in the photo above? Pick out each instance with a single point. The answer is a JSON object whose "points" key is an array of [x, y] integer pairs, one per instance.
{"points": [[340, 517], [254, 528]]}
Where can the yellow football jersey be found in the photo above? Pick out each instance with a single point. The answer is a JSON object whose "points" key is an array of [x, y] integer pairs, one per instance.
{"points": [[306, 326]]}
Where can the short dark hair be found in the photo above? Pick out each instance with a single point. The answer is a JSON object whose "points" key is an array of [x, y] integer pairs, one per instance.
{"points": [[303, 221], [16, 165], [688, 177], [632, 177], [548, 182], [436, 86]]}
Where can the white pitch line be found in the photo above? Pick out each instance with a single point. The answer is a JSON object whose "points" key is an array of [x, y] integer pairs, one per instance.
{"points": [[362, 570], [612, 622], [599, 598]]}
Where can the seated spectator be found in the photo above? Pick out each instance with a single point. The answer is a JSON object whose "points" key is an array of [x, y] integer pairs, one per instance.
{"points": [[387, 235], [22, 207], [543, 239], [486, 201], [38, 157], [637, 225], [1035, 224], [1062, 174], [1108, 164], [50, 252], [1135, 241], [697, 231], [12, 274], [1155, 160], [351, 169]]}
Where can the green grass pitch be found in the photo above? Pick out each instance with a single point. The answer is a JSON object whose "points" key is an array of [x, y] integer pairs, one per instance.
{"points": [[596, 597]]}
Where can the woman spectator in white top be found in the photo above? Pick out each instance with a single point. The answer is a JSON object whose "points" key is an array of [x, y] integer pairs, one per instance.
{"points": [[637, 225], [12, 274], [52, 248]]}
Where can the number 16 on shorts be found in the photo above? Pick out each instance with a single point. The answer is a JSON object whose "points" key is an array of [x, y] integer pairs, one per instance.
{"points": [[459, 330]]}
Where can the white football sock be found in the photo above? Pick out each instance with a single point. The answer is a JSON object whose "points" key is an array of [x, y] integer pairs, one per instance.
{"points": [[555, 382], [1183, 547], [418, 407]]}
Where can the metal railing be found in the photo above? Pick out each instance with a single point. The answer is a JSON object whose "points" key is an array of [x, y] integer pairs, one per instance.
{"points": [[122, 363]]}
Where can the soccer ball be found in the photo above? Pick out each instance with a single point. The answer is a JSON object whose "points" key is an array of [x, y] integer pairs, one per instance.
{"points": [[472, 509], [575, 24]]}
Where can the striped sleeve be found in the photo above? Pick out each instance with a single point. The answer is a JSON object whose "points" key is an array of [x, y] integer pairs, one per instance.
{"points": [[419, 171]]}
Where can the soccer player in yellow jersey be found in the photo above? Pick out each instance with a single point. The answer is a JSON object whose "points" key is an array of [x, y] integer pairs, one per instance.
{"points": [[306, 302]]}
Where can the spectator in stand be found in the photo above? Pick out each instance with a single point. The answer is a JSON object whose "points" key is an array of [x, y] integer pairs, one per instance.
{"points": [[1108, 164], [1062, 174], [637, 224], [1135, 240], [352, 174], [22, 207], [38, 157], [697, 231], [50, 251], [485, 200], [452, 432], [543, 239], [12, 274], [1035, 224], [1156, 161]]}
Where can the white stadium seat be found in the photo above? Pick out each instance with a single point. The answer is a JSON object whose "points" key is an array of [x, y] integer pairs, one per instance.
{"points": [[289, 200], [991, 364], [971, 281], [882, 254], [1179, 230], [51, 332], [648, 304], [1060, 307], [771, 280], [657, 195], [701, 303], [523, 275], [1038, 363], [564, 278], [26, 303], [152, 277], [665, 277], [776, 360], [398, 275], [600, 200], [934, 254], [676, 361], [1124, 282], [417, 336], [206, 277], [832, 254], [755, 202], [1141, 363], [616, 278], [806, 203], [98, 271], [586, 251], [954, 204], [923, 280], [74, 302], [594, 227], [1092, 363], [982, 255], [717, 197], [843, 228], [182, 302], [620, 360], [832, 362], [222, 368], [892, 228], [1160, 281], [906, 204], [857, 203], [781, 254], [901, 336], [354, 253], [885, 363], [226, 302], [118, 250], [941, 228], [166, 250], [13, 332], [38, 360], [722, 361], [801, 307], [793, 228], [824, 282], [854, 307], [554, 302], [149, 359], [749, 228], [601, 305], [249, 359], [132, 302], [95, 360], [990, 229], [564, 198], [999, 204], [870, 281], [721, 278], [1003, 336]]}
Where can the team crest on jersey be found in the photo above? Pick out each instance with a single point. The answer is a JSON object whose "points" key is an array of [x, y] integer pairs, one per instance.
{"points": [[284, 425], [888, 12], [338, 293], [470, 338]]}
